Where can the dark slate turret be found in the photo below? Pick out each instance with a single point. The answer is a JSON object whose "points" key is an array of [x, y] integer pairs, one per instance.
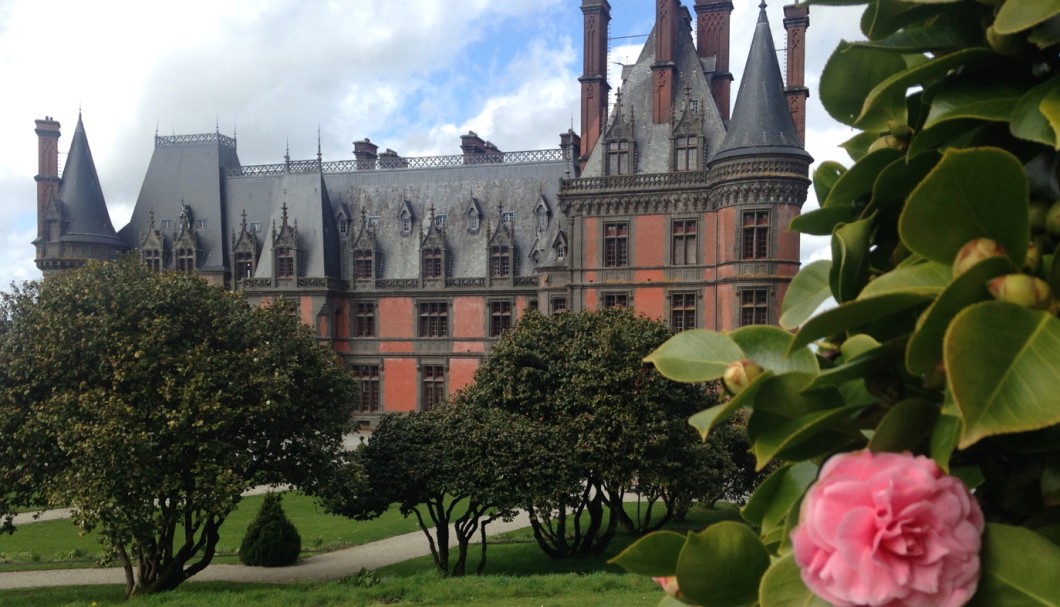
{"points": [[761, 120]]}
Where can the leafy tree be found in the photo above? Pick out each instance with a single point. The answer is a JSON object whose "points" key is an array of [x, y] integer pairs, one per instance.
{"points": [[945, 233], [581, 377], [149, 402]]}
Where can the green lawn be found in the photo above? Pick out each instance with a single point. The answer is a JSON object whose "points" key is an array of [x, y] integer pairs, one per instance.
{"points": [[59, 544]]}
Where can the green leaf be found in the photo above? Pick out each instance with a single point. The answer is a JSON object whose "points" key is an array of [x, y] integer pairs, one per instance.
{"points": [[776, 440], [904, 426], [853, 314], [653, 555], [857, 147], [886, 101], [1018, 15], [928, 278], [695, 356], [850, 258], [979, 192], [769, 505], [944, 436], [1018, 569], [919, 39], [722, 565], [924, 351], [706, 419], [822, 221], [854, 187], [782, 586], [1034, 117], [825, 176], [1002, 367], [991, 101], [951, 133], [852, 71], [807, 291], [768, 346]]}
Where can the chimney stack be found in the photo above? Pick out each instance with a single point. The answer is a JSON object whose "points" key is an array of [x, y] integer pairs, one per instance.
{"points": [[712, 39], [365, 154], [594, 79], [664, 68], [47, 167], [796, 20]]}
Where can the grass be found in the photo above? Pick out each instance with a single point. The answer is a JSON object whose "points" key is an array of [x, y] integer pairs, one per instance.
{"points": [[60, 544]]}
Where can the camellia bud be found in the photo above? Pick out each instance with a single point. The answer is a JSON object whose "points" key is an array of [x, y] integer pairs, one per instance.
{"points": [[1036, 215], [1022, 290], [974, 251], [1034, 259], [669, 585], [740, 374]]}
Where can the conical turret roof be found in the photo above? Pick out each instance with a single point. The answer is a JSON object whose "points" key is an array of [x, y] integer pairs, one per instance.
{"points": [[761, 120], [84, 208]]}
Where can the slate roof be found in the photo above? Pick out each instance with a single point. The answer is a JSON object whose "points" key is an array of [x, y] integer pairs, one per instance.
{"points": [[761, 120], [84, 208]]}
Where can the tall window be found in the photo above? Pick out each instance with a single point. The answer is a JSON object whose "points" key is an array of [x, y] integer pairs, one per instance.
{"points": [[618, 158], [433, 378], [153, 259], [363, 262], [434, 319], [284, 262], [432, 262], [616, 300], [500, 317], [185, 259], [244, 264], [686, 153], [754, 307], [364, 319], [368, 387], [683, 242], [683, 311], [500, 261], [616, 245], [755, 235]]}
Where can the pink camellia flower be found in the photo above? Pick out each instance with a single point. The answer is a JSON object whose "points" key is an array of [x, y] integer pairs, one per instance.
{"points": [[888, 530]]}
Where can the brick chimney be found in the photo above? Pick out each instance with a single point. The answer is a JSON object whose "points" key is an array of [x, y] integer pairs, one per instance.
{"points": [[796, 20], [365, 154], [597, 17], [712, 36], [47, 167], [664, 68]]}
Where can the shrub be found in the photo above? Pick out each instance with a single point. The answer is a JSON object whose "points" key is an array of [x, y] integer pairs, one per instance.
{"points": [[272, 539]]}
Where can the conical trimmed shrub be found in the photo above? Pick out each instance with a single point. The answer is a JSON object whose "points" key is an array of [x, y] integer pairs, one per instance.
{"points": [[272, 539]]}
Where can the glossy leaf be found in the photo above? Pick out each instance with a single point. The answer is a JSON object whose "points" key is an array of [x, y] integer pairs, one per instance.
{"points": [[980, 192], [880, 107], [722, 565], [821, 222], [653, 555], [769, 347], [782, 586], [1018, 15], [825, 176], [807, 291], [776, 440], [924, 351], [1018, 569], [770, 504], [1034, 117], [850, 74], [706, 419], [854, 186], [905, 425], [927, 278], [850, 263], [990, 101], [944, 437], [695, 356], [921, 38], [854, 314], [1002, 367]]}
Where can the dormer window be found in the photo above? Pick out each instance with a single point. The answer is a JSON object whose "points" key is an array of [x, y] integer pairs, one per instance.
{"points": [[441, 220], [686, 153], [507, 218], [363, 264], [619, 157], [152, 259], [500, 261], [373, 224], [473, 223], [244, 264], [185, 259], [406, 226], [431, 259], [284, 262]]}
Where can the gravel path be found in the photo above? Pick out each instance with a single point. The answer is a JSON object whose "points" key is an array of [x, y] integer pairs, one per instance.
{"points": [[328, 566]]}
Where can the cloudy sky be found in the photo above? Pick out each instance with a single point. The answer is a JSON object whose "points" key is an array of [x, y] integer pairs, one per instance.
{"points": [[411, 75]]}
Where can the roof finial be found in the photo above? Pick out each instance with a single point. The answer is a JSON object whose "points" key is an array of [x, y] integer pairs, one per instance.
{"points": [[319, 155]]}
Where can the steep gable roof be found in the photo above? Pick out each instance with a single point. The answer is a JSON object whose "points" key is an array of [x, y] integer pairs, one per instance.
{"points": [[83, 206]]}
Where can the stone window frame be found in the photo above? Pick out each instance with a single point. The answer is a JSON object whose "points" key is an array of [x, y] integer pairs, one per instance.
{"points": [[437, 309], [755, 237], [496, 324], [616, 299], [369, 382], [684, 239], [683, 316], [433, 384], [365, 317], [754, 305], [620, 256]]}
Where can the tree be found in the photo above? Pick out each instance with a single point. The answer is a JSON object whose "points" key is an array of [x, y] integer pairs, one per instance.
{"points": [[149, 402], [581, 376], [943, 343], [271, 540]]}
